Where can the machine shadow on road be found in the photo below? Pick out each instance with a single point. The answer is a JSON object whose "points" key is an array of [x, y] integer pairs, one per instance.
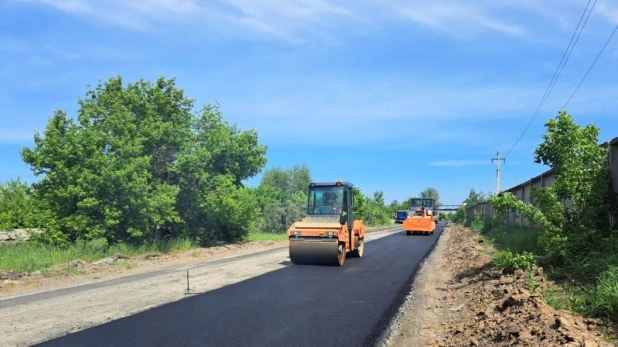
{"points": [[276, 308]]}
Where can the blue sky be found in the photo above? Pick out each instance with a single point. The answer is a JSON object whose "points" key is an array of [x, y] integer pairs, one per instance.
{"points": [[391, 95]]}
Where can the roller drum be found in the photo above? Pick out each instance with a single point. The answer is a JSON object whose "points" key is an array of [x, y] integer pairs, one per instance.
{"points": [[319, 251]]}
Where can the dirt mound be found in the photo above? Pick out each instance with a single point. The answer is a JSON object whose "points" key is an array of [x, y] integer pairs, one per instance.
{"points": [[502, 310]]}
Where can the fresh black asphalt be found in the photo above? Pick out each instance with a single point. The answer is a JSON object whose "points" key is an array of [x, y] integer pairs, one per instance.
{"points": [[299, 305]]}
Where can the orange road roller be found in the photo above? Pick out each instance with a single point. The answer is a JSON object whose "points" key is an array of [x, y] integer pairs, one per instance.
{"points": [[329, 233], [422, 220]]}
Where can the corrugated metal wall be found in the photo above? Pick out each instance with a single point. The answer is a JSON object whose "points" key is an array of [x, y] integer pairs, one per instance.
{"points": [[522, 191]]}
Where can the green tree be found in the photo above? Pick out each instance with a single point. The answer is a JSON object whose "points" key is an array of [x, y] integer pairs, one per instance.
{"points": [[378, 197], [475, 197], [282, 194], [581, 176], [287, 181], [372, 211], [139, 164], [212, 202], [292, 210], [18, 208], [433, 194], [360, 204]]}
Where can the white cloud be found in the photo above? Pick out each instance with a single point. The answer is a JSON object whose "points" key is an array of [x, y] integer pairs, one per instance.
{"points": [[608, 11], [400, 112], [284, 20], [413, 98], [457, 17], [326, 20]]}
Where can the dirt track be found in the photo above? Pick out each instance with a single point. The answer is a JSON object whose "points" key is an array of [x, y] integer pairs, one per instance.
{"points": [[38, 317]]}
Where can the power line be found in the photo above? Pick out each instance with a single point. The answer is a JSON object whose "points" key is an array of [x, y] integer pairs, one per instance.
{"points": [[579, 85], [506, 178], [591, 66], [532, 145], [558, 71]]}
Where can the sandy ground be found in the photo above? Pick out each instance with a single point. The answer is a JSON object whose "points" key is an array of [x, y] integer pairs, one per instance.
{"points": [[35, 318], [79, 272], [418, 320], [460, 299]]}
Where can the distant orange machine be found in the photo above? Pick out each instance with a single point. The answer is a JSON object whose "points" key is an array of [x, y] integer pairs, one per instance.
{"points": [[422, 220]]}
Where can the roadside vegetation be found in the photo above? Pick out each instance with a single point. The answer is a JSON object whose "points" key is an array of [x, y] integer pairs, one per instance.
{"points": [[575, 245], [140, 169], [429, 192], [37, 256]]}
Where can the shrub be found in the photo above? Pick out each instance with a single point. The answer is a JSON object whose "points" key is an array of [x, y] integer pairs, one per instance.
{"points": [[509, 262]]}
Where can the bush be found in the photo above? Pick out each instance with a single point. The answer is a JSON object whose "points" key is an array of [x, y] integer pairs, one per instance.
{"points": [[459, 216], [18, 207], [509, 262]]}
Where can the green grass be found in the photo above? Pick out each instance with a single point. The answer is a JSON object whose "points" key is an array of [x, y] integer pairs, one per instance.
{"points": [[32, 256], [476, 226], [516, 240], [259, 236], [29, 257]]}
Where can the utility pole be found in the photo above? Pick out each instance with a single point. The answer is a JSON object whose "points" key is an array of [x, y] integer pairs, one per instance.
{"points": [[498, 170]]}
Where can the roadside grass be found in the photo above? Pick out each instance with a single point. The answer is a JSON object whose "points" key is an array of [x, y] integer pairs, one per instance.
{"points": [[516, 240], [260, 236], [587, 283], [33, 256]]}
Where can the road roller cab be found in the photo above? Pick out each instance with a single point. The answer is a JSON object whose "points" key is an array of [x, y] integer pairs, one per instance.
{"points": [[422, 220], [329, 232]]}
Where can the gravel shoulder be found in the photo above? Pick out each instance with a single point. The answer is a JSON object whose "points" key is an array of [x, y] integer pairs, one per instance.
{"points": [[79, 272], [459, 299], [55, 308]]}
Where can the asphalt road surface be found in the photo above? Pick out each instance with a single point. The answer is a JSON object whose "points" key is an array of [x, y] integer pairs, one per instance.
{"points": [[299, 305]]}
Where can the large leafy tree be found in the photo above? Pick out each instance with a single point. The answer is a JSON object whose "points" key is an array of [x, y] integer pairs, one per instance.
{"points": [[372, 210], [378, 197], [212, 203], [139, 163], [282, 196], [431, 193], [287, 181]]}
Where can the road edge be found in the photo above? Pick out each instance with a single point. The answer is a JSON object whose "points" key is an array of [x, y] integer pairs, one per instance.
{"points": [[381, 330]]}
